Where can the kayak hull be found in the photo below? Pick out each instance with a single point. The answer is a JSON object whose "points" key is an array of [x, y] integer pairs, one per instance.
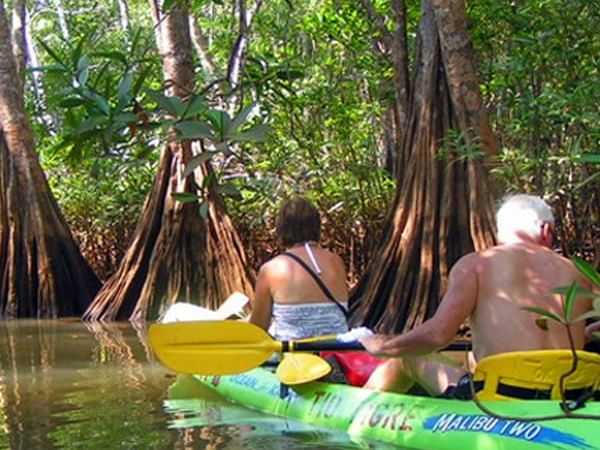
{"points": [[409, 421]]}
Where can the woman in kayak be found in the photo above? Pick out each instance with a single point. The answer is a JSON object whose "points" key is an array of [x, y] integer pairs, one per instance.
{"points": [[302, 292]]}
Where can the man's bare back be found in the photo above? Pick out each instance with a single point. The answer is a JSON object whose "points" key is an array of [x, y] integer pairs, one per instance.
{"points": [[511, 277]]}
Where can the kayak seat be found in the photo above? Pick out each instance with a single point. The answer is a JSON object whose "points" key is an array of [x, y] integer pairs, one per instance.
{"points": [[537, 374], [356, 365]]}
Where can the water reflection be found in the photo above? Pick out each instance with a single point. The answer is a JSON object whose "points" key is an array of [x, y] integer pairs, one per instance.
{"points": [[72, 385], [64, 384], [213, 424]]}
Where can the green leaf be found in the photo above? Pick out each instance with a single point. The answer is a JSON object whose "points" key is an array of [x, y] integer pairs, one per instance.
{"points": [[52, 54], [542, 323], [220, 121], [173, 105], [76, 55], [66, 91], [83, 70], [580, 291], [167, 4], [570, 300], [542, 312], [194, 130], [587, 270], [255, 134], [89, 124], [241, 118], [125, 118], [203, 210], [229, 190], [114, 55], [140, 80], [222, 147], [587, 315], [123, 92], [196, 161], [185, 197], [194, 105], [100, 102], [597, 303], [83, 75], [71, 102], [49, 68], [593, 158]]}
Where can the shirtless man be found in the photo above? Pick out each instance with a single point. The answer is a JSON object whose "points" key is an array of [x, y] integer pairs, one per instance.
{"points": [[490, 287]]}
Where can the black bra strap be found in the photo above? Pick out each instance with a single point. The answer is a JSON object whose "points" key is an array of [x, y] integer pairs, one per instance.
{"points": [[319, 282]]}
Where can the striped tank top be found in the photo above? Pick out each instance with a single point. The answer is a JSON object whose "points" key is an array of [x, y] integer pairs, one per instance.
{"points": [[304, 320]]}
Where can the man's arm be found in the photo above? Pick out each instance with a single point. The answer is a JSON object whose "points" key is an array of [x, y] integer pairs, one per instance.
{"points": [[437, 332]]}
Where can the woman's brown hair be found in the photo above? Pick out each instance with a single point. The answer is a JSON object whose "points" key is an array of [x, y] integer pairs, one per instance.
{"points": [[298, 221]]}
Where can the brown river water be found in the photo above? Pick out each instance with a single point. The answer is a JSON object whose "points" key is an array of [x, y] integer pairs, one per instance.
{"points": [[73, 385]]}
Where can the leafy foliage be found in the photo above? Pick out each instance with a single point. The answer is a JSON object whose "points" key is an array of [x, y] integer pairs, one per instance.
{"points": [[323, 86], [541, 84]]}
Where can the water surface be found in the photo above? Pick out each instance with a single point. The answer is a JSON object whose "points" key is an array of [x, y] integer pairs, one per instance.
{"points": [[74, 385]]}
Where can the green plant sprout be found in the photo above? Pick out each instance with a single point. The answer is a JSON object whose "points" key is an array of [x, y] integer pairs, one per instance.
{"points": [[567, 320]]}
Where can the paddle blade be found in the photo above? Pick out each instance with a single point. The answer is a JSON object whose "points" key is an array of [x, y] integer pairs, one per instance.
{"points": [[299, 368], [211, 347]]}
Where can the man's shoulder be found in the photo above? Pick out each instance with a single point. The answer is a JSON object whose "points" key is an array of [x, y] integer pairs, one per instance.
{"points": [[469, 264], [471, 259], [479, 260]]}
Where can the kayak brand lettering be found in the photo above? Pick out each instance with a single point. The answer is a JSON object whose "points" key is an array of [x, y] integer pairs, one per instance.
{"points": [[451, 422], [250, 381], [383, 415], [325, 404], [527, 431]]}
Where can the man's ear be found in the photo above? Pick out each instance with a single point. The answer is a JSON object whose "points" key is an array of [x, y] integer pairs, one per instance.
{"points": [[547, 234]]}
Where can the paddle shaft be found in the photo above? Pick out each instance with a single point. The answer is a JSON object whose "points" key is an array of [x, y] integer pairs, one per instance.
{"points": [[333, 345]]}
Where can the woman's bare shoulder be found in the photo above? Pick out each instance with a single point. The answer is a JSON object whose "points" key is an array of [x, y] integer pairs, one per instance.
{"points": [[277, 265]]}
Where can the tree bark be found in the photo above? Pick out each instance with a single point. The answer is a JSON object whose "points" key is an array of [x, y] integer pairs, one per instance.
{"points": [[42, 272], [201, 45], [461, 74], [31, 59], [124, 15], [441, 209], [395, 47], [18, 30], [238, 56], [62, 19], [175, 255]]}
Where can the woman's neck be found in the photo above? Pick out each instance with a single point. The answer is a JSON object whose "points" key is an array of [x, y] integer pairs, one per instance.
{"points": [[302, 244], [307, 247]]}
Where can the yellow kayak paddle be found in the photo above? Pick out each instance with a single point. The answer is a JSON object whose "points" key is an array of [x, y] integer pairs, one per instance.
{"points": [[230, 346]]}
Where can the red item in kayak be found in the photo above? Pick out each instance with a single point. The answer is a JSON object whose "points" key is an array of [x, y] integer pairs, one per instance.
{"points": [[357, 366]]}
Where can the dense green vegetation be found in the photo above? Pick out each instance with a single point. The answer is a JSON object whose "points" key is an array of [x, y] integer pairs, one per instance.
{"points": [[321, 84]]}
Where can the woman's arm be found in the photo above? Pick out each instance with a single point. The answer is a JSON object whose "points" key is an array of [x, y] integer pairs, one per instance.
{"points": [[262, 302]]}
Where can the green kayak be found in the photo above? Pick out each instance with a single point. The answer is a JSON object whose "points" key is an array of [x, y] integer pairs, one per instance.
{"points": [[409, 421]]}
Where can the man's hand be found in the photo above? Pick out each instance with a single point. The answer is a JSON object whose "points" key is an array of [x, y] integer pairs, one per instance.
{"points": [[375, 344], [590, 329]]}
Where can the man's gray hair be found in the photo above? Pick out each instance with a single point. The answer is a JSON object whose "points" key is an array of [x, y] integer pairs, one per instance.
{"points": [[522, 214]]}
